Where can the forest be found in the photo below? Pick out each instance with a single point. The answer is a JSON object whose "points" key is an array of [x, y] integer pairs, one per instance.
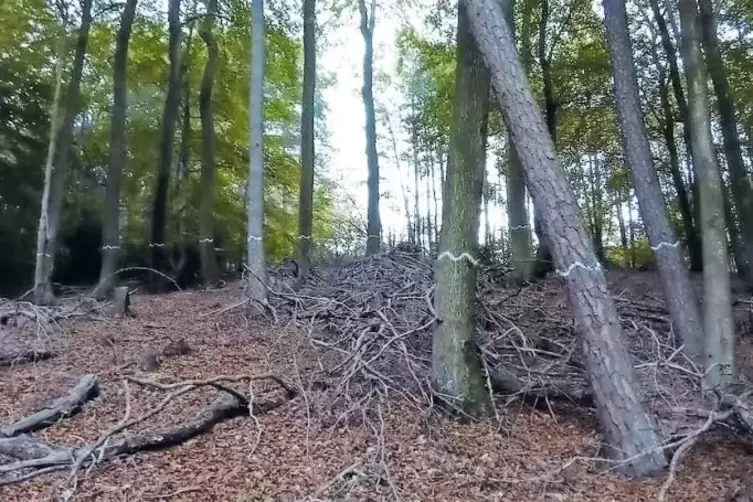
{"points": [[376, 250]]}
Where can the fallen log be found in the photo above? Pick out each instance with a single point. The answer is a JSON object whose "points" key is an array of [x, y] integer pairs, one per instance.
{"points": [[509, 384], [25, 356], [86, 389]]}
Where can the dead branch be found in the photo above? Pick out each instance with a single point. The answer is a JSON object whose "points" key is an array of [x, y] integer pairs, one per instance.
{"points": [[25, 356], [86, 388]]}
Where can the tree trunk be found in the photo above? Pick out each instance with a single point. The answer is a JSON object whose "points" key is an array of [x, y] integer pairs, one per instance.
{"points": [[169, 123], [374, 224], [739, 181], [256, 290], [436, 200], [521, 255], [679, 293], [209, 268], [621, 224], [720, 332], [111, 238], [629, 428], [306, 190], [52, 199], [543, 254], [429, 227], [456, 367], [403, 191]]}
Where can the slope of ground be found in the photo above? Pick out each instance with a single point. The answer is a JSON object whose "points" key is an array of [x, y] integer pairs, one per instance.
{"points": [[307, 449]]}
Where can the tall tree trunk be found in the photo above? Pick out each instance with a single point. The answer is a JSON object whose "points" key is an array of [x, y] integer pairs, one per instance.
{"points": [[720, 332], [597, 203], [621, 224], [521, 255], [456, 367], [373, 220], [629, 428], [739, 181], [544, 261], [111, 238], [306, 194], [256, 290], [403, 191], [668, 130], [487, 223], [436, 200], [675, 279], [209, 269], [429, 227], [56, 172], [169, 122]]}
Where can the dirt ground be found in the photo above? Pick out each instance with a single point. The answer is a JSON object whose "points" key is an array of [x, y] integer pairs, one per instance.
{"points": [[291, 452]]}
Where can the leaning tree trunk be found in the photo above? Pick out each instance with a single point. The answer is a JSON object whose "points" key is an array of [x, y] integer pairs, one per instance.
{"points": [[720, 330], [675, 279], [521, 256], [111, 238], [256, 289], [306, 193], [209, 269], [739, 180], [374, 224], [169, 123], [456, 367], [629, 428], [52, 198]]}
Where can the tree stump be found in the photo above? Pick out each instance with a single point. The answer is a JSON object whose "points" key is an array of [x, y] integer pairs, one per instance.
{"points": [[122, 301]]}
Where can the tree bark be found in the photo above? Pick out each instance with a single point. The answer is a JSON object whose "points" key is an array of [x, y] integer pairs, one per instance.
{"points": [[456, 367], [209, 269], [256, 290], [374, 224], [306, 193], [111, 238], [169, 123], [629, 428], [719, 327], [679, 293], [52, 198], [742, 193]]}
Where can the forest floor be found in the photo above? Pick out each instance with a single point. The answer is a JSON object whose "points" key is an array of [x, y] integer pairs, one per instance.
{"points": [[384, 445]]}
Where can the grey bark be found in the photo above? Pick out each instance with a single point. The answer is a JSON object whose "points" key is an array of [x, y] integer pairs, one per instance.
{"points": [[521, 255], [629, 428], [456, 367], [679, 293], [209, 268], [306, 193], [256, 290], [55, 182], [719, 327], [111, 238], [374, 224], [742, 193], [170, 114]]}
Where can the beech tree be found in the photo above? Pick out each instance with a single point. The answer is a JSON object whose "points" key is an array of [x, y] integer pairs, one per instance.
{"points": [[56, 170], [678, 291], [306, 190], [630, 429], [373, 220], [118, 155], [456, 368], [256, 289], [209, 269], [717, 304]]}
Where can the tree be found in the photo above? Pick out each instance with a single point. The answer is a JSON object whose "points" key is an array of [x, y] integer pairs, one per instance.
{"points": [[373, 221], [256, 289], [717, 305], [56, 172], [678, 291], [521, 255], [169, 123], [630, 429], [739, 180], [111, 240], [306, 190], [456, 368], [209, 269]]}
